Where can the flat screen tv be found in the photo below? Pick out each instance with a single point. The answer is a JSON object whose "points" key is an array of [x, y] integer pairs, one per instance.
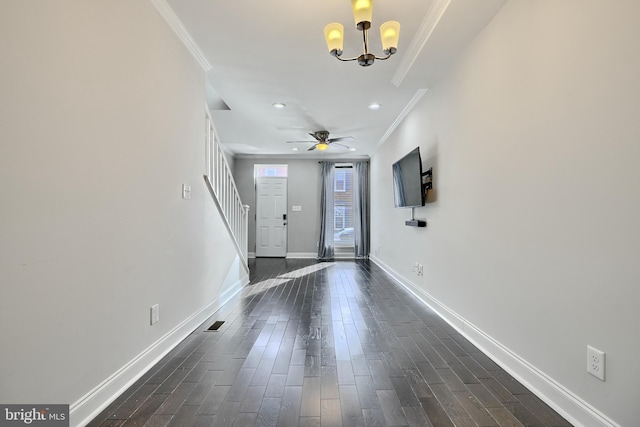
{"points": [[407, 181]]}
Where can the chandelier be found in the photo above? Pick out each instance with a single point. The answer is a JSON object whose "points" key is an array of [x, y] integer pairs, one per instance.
{"points": [[362, 12]]}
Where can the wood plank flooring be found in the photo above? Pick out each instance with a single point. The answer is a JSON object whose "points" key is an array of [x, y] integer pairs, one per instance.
{"points": [[326, 344]]}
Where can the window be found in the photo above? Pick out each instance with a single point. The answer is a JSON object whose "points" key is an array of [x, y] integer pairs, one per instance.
{"points": [[340, 183], [260, 171], [338, 217], [342, 217], [343, 207]]}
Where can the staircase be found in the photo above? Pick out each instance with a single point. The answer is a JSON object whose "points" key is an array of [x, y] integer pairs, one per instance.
{"points": [[222, 187]]}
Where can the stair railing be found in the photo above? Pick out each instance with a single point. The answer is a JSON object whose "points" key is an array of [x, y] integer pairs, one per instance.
{"points": [[222, 187]]}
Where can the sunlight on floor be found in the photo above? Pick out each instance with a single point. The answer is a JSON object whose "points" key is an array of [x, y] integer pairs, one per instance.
{"points": [[284, 278]]}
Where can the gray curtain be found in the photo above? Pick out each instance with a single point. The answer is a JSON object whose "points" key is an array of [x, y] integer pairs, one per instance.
{"points": [[326, 244], [361, 208]]}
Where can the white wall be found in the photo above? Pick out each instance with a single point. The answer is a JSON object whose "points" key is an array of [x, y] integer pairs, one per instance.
{"points": [[102, 120], [532, 239]]}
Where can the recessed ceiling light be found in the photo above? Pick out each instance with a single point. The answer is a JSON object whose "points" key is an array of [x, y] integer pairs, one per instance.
{"points": [[278, 105], [352, 149], [374, 106], [295, 149]]}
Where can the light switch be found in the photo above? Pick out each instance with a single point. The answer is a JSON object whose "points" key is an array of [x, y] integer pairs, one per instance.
{"points": [[296, 208], [155, 314], [186, 191]]}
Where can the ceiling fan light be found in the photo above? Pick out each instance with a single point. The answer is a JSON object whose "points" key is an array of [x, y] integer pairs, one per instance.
{"points": [[390, 33], [334, 35], [362, 13], [322, 146]]}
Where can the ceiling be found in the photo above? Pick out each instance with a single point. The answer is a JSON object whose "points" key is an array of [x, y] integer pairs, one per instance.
{"points": [[257, 53]]}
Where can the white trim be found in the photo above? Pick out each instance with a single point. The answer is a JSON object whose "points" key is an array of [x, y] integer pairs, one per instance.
{"points": [[565, 402], [251, 255], [292, 255], [313, 255], [176, 24], [429, 23], [407, 109], [302, 155], [305, 255], [349, 255], [91, 404]]}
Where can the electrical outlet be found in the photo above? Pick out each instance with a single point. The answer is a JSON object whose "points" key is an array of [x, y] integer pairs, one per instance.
{"points": [[155, 314], [595, 362], [417, 268]]}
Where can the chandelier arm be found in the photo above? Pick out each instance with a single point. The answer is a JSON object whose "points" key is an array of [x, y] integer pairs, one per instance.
{"points": [[384, 57], [346, 60]]}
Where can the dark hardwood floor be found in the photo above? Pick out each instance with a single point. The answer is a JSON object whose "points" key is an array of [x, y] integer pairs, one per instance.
{"points": [[326, 344]]}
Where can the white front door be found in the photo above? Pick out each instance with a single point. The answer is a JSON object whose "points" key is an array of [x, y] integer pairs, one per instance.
{"points": [[271, 217]]}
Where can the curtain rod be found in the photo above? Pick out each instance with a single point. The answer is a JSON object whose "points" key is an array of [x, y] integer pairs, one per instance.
{"points": [[342, 166]]}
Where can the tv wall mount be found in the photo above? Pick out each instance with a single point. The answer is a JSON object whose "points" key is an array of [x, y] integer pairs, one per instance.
{"points": [[427, 184], [427, 181]]}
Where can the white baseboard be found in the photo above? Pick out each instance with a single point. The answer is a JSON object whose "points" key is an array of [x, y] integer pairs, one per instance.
{"points": [[306, 255], [314, 255], [94, 402], [251, 255], [566, 403]]}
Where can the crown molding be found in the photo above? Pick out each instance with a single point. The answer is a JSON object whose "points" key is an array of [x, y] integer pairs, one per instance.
{"points": [[429, 24], [174, 22], [346, 157], [407, 109]]}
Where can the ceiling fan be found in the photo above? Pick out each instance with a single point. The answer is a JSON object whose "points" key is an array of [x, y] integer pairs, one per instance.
{"points": [[323, 141]]}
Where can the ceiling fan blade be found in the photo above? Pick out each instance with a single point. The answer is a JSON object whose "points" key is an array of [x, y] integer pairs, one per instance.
{"points": [[316, 137], [312, 148], [343, 138], [341, 145], [296, 142]]}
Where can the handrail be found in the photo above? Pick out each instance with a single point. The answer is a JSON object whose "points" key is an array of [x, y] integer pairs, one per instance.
{"points": [[222, 187]]}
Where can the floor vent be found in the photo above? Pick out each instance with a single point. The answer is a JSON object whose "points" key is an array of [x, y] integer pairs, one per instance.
{"points": [[216, 325]]}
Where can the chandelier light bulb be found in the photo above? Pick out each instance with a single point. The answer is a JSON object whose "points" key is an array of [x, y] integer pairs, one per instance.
{"points": [[390, 33], [362, 13], [333, 34]]}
